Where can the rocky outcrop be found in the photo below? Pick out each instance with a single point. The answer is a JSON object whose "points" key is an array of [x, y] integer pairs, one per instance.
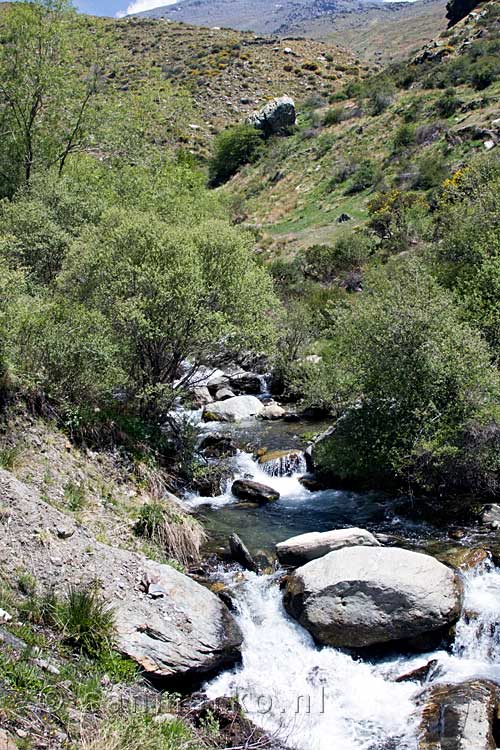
{"points": [[276, 118], [254, 492], [458, 9], [233, 409], [169, 624], [364, 596], [459, 717], [302, 549]]}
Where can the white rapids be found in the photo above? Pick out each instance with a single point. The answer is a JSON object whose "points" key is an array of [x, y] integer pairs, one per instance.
{"points": [[314, 698]]}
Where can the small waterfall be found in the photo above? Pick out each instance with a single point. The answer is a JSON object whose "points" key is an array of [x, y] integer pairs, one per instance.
{"points": [[478, 631], [311, 698], [285, 465], [314, 698]]}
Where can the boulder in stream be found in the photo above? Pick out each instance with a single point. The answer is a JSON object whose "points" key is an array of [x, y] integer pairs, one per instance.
{"points": [[241, 555], [233, 409], [364, 596], [301, 549], [459, 717], [255, 492]]}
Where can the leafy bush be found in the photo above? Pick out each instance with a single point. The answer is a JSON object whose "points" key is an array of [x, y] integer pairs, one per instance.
{"points": [[485, 72], [448, 103], [325, 262], [233, 148], [333, 116], [468, 251], [366, 175], [413, 377], [404, 137]]}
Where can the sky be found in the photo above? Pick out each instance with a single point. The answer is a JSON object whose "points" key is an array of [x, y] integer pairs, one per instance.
{"points": [[118, 7]]}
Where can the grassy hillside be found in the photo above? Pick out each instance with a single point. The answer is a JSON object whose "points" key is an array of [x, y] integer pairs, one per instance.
{"points": [[376, 136]]}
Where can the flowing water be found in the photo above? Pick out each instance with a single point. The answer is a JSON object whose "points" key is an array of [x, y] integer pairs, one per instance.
{"points": [[315, 698]]}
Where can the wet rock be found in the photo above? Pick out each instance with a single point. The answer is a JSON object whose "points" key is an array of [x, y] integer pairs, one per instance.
{"points": [[201, 396], [358, 597], [301, 549], [312, 484], [465, 558], [233, 410], [282, 463], [272, 411], [211, 480], [422, 674], [223, 394], [245, 382], [241, 555], [216, 445], [490, 516], [458, 717], [246, 489], [276, 118]]}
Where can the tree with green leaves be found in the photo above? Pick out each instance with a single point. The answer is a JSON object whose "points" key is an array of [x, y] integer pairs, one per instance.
{"points": [[170, 295], [410, 381], [44, 100]]}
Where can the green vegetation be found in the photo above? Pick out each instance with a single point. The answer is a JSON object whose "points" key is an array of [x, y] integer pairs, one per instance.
{"points": [[233, 148], [86, 621]]}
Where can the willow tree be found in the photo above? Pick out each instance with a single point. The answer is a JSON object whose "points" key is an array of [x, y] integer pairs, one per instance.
{"points": [[44, 94]]}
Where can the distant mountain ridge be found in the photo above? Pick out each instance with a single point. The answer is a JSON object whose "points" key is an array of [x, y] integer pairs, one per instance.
{"points": [[374, 29], [260, 16]]}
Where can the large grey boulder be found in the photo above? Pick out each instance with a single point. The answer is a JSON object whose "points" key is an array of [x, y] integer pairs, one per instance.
{"points": [[276, 118], [179, 629], [233, 409], [458, 717], [172, 626], [301, 549], [363, 596]]}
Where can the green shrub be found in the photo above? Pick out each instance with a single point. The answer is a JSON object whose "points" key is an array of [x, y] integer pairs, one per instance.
{"points": [[404, 138], [366, 175], [416, 378], [325, 262], [333, 116], [233, 148], [448, 103], [468, 247], [485, 72]]}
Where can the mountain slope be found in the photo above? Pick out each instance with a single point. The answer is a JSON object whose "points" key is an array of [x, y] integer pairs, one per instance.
{"points": [[366, 26]]}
